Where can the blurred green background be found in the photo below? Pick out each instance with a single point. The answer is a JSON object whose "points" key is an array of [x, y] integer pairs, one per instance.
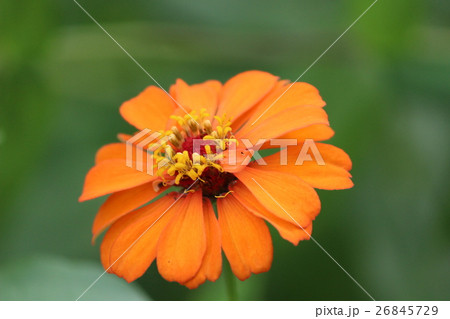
{"points": [[386, 83]]}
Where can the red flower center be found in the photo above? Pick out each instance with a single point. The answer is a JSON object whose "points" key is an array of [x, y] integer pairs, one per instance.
{"points": [[188, 145], [212, 182]]}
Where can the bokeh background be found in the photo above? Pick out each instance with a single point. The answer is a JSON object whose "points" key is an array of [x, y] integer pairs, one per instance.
{"points": [[386, 83]]}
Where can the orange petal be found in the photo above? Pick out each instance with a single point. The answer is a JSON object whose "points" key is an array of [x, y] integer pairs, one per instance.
{"points": [[119, 150], [212, 261], [284, 96], [111, 151], [332, 175], [328, 177], [182, 245], [120, 204], [288, 230], [241, 121], [334, 155], [129, 246], [173, 91], [284, 122], [111, 176], [198, 96], [243, 91], [216, 86], [124, 137], [318, 132], [246, 239], [150, 109], [284, 195]]}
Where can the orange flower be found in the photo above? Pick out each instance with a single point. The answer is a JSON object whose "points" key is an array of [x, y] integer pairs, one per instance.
{"points": [[180, 230]]}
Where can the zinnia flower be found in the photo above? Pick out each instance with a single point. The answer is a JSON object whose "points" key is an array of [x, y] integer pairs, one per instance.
{"points": [[180, 230]]}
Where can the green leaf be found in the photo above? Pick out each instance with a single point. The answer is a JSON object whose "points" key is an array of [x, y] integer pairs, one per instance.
{"points": [[57, 278]]}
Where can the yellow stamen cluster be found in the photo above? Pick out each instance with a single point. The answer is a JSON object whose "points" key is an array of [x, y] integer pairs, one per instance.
{"points": [[221, 132], [172, 160]]}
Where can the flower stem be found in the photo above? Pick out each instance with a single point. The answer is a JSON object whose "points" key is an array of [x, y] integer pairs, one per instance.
{"points": [[230, 281]]}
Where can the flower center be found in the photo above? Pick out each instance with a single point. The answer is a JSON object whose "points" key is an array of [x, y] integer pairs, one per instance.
{"points": [[190, 154]]}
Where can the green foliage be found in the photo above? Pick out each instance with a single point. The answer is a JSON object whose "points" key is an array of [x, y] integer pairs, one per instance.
{"points": [[55, 278]]}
